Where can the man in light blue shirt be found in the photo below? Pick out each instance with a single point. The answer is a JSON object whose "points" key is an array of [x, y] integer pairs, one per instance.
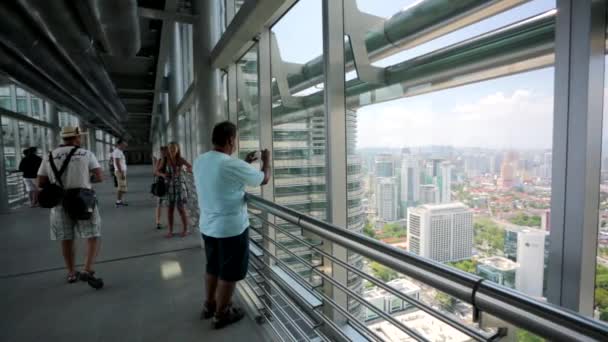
{"points": [[220, 184]]}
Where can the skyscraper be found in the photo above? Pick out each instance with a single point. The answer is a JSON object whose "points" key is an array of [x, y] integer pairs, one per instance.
{"points": [[429, 194], [445, 182], [531, 258], [442, 232], [410, 181], [384, 165], [386, 198]]}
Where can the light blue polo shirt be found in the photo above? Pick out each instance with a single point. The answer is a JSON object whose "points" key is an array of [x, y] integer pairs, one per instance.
{"points": [[220, 184]]}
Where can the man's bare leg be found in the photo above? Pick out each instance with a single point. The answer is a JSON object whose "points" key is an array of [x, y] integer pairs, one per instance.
{"points": [[211, 288], [69, 254], [223, 297], [92, 251]]}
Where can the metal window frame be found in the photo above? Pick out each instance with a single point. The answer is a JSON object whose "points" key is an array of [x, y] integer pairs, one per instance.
{"points": [[335, 135], [577, 140]]}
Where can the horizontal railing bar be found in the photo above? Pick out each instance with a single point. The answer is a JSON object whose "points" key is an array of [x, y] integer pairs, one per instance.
{"points": [[451, 281], [278, 306], [409, 331], [325, 297], [305, 317], [420, 305], [501, 302]]}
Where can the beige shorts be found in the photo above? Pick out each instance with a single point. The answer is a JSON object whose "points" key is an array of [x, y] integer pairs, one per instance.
{"points": [[122, 182], [65, 228]]}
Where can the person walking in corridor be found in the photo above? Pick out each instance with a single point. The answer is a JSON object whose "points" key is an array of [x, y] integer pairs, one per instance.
{"points": [[77, 169], [160, 167], [224, 224], [172, 169], [120, 171], [29, 166]]}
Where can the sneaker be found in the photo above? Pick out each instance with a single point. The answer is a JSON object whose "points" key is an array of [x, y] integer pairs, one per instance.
{"points": [[159, 226], [89, 277], [229, 316], [121, 204], [208, 311]]}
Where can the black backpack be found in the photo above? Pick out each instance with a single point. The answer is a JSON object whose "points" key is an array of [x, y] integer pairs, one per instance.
{"points": [[53, 193]]}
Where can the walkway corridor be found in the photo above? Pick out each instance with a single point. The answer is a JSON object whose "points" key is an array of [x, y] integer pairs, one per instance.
{"points": [[153, 286]]}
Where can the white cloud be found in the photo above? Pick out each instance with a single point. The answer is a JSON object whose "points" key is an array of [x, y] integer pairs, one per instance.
{"points": [[517, 119]]}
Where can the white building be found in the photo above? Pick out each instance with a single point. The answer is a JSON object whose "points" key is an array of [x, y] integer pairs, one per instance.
{"points": [[446, 182], [531, 260], [410, 180], [429, 194], [441, 232], [388, 302], [386, 198]]}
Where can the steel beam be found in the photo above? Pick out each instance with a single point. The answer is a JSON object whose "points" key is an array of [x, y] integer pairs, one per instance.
{"points": [[249, 21], [577, 147], [151, 13]]}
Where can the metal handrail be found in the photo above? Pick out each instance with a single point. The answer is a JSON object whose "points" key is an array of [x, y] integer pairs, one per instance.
{"points": [[544, 319]]}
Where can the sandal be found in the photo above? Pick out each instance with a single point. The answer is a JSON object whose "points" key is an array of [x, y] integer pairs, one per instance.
{"points": [[229, 316], [73, 277], [89, 277], [169, 235], [184, 234], [208, 310]]}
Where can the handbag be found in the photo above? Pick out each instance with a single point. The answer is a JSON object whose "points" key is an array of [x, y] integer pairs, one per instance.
{"points": [[159, 187], [53, 193], [80, 203]]}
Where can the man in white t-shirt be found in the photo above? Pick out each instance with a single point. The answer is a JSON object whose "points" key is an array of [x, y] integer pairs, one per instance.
{"points": [[120, 171], [82, 169]]}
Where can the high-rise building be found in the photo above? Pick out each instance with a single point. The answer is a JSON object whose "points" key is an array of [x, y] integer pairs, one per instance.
{"points": [[384, 165], [531, 258], [429, 194], [529, 248], [445, 182], [545, 220], [442, 232], [499, 270], [410, 181], [386, 198]]}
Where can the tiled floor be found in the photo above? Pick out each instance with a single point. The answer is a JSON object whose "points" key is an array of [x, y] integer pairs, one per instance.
{"points": [[154, 286]]}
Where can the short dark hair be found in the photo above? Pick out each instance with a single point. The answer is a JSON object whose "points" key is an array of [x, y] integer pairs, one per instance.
{"points": [[120, 141], [222, 132]]}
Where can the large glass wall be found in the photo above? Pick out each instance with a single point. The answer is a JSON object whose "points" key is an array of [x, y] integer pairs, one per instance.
{"points": [[455, 152]]}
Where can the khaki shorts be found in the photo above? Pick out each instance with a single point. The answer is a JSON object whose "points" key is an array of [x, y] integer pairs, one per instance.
{"points": [[122, 183], [65, 228]]}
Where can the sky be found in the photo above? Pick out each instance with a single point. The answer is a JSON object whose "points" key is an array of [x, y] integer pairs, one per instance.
{"points": [[513, 112]]}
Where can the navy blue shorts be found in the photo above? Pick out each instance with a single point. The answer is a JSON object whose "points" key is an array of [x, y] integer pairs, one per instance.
{"points": [[228, 258]]}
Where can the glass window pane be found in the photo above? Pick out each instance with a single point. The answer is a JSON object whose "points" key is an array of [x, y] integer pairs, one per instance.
{"points": [[451, 158], [247, 105]]}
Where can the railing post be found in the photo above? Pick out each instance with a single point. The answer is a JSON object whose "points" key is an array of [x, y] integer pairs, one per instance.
{"points": [[335, 135], [577, 139], [4, 207]]}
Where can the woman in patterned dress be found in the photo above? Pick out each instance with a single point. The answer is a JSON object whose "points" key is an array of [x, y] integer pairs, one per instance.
{"points": [[172, 168]]}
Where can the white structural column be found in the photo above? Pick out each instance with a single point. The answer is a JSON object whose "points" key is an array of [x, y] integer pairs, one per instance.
{"points": [[4, 207], [208, 80], [577, 140], [265, 124], [335, 119]]}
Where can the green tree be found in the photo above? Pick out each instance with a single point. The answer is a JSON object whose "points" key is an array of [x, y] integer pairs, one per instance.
{"points": [[382, 272], [445, 301], [488, 233], [368, 230], [604, 315], [469, 266], [393, 230], [526, 220], [526, 336]]}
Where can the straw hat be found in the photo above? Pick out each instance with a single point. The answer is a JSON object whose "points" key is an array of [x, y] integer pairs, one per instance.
{"points": [[71, 131]]}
